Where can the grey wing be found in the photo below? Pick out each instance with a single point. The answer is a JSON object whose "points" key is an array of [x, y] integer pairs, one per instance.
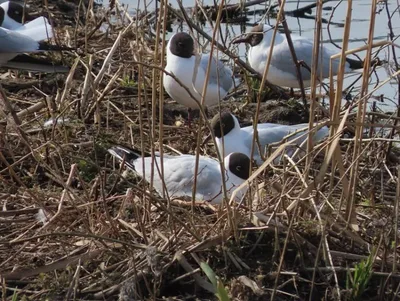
{"points": [[321, 134], [260, 126], [174, 174], [278, 133], [209, 182], [268, 135], [14, 42], [219, 73], [282, 58], [39, 29], [179, 176]]}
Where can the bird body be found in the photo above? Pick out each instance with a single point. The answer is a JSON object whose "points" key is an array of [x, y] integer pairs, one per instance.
{"points": [[233, 138], [12, 14], [179, 173], [14, 42], [282, 70], [185, 65], [17, 38], [39, 29]]}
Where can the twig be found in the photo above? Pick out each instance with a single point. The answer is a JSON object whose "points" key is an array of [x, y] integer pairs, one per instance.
{"points": [[300, 12], [293, 52]]}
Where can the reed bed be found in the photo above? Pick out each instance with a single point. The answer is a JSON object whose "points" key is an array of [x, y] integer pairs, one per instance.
{"points": [[74, 226]]}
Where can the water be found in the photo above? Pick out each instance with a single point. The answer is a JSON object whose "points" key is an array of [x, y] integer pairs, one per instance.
{"points": [[305, 27]]}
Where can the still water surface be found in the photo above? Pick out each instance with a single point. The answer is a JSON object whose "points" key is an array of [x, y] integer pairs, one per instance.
{"points": [[305, 27]]}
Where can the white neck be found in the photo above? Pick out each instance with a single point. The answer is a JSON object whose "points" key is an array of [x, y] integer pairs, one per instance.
{"points": [[10, 23], [267, 40]]}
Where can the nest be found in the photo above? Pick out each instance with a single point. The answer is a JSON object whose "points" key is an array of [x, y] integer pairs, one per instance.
{"points": [[72, 227]]}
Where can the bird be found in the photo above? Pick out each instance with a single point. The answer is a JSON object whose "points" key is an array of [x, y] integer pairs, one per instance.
{"points": [[282, 70], [230, 137], [179, 173], [181, 62], [27, 38], [12, 14]]}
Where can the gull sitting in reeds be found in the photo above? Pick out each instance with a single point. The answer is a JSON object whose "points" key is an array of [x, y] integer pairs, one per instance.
{"points": [[230, 137], [190, 69], [17, 38], [12, 15], [179, 173], [282, 70]]}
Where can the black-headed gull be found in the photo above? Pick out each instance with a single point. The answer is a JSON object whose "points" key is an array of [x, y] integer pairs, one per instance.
{"points": [[12, 14], [181, 62], [282, 70], [28, 38], [237, 139], [179, 173]]}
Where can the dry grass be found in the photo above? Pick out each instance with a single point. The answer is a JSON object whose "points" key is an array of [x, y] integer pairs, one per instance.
{"points": [[71, 228]]}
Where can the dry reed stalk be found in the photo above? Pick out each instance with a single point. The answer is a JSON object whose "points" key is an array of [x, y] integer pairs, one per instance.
{"points": [[142, 82], [67, 86], [271, 158], [396, 63], [203, 115], [262, 85], [281, 260], [350, 210], [189, 269], [335, 105], [396, 222], [316, 266], [86, 85], [164, 10], [296, 62], [312, 199], [155, 80], [314, 81], [62, 199], [264, 75], [334, 141]]}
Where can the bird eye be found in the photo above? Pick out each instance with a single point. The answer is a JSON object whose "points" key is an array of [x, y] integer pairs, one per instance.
{"points": [[238, 168]]}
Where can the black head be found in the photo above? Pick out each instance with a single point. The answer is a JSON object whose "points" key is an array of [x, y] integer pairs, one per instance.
{"points": [[1, 15], [16, 12], [239, 165], [254, 37], [222, 126], [182, 45]]}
